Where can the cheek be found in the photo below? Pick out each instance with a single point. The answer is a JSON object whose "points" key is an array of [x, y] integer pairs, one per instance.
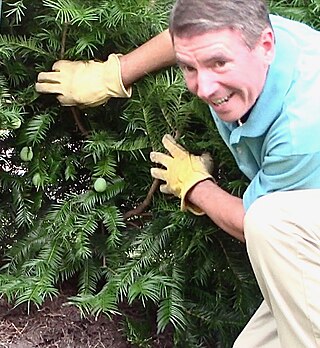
{"points": [[249, 78], [191, 83], [256, 82]]}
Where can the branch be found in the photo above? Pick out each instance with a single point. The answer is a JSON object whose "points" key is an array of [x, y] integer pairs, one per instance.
{"points": [[74, 110], [77, 120], [63, 40], [146, 202]]}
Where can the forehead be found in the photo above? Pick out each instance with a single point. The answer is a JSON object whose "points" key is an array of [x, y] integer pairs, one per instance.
{"points": [[226, 41]]}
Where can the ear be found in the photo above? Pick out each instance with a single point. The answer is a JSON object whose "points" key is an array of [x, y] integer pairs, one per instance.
{"points": [[266, 45]]}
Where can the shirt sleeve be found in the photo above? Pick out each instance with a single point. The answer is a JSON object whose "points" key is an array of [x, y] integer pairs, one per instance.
{"points": [[284, 173]]}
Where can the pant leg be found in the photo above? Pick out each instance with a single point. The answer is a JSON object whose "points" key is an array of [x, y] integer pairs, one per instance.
{"points": [[282, 232], [260, 332]]}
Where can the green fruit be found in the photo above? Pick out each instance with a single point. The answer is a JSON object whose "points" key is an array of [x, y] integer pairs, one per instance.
{"points": [[15, 124], [100, 185], [26, 154], [36, 180]]}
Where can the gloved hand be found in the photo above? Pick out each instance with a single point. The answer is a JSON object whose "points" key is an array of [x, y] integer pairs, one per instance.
{"points": [[84, 83], [182, 172]]}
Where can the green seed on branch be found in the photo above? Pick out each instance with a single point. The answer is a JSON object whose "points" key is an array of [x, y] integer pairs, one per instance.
{"points": [[26, 154], [100, 185]]}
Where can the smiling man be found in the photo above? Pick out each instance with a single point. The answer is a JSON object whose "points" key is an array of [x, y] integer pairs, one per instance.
{"points": [[223, 70], [260, 76]]}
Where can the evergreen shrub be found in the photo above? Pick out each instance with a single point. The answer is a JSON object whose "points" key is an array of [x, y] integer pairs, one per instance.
{"points": [[128, 244]]}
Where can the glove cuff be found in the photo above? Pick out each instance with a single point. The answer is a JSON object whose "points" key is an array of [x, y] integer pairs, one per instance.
{"points": [[124, 92], [185, 204]]}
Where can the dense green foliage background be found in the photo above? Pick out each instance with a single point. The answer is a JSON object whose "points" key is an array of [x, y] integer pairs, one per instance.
{"points": [[129, 244]]}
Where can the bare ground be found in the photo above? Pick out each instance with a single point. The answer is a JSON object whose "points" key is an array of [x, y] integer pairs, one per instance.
{"points": [[57, 325]]}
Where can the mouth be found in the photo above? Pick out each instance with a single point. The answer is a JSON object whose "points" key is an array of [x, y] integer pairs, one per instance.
{"points": [[221, 101]]}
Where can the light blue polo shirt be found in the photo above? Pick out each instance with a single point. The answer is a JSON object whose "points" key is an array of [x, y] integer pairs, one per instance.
{"points": [[278, 148]]}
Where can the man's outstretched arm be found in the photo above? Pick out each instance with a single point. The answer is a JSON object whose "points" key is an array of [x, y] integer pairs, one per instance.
{"points": [[153, 55], [92, 83]]}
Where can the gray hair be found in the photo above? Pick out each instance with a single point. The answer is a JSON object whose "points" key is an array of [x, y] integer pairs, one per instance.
{"points": [[195, 17]]}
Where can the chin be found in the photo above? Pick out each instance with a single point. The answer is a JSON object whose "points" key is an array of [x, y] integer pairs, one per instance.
{"points": [[228, 118]]}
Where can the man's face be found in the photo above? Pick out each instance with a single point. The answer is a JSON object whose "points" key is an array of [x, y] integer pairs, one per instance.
{"points": [[220, 69]]}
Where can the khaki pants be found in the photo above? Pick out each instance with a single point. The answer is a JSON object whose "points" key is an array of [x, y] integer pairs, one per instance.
{"points": [[282, 232]]}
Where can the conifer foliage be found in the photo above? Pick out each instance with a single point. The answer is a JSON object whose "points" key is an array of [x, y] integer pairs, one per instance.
{"points": [[124, 242]]}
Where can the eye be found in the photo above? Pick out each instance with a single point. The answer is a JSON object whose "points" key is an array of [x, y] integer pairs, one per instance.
{"points": [[220, 64], [187, 68]]}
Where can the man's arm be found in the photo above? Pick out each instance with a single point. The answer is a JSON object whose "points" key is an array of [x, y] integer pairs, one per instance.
{"points": [[188, 177], [92, 83], [224, 209], [153, 55]]}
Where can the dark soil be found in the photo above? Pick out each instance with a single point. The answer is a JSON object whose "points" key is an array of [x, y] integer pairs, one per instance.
{"points": [[57, 325]]}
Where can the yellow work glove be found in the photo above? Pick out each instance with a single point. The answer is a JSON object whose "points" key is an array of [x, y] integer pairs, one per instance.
{"points": [[182, 172], [84, 83]]}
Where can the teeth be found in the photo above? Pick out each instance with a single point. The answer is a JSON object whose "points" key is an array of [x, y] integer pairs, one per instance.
{"points": [[221, 100]]}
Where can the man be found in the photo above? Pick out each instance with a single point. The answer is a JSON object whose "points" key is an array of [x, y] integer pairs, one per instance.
{"points": [[260, 79]]}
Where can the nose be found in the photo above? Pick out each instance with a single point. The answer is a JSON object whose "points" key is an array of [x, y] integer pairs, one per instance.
{"points": [[207, 84]]}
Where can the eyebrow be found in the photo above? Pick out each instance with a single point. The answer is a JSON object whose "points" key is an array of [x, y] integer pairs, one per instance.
{"points": [[180, 62], [215, 57]]}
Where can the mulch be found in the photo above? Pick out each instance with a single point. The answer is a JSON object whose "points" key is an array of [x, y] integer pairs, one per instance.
{"points": [[58, 325]]}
